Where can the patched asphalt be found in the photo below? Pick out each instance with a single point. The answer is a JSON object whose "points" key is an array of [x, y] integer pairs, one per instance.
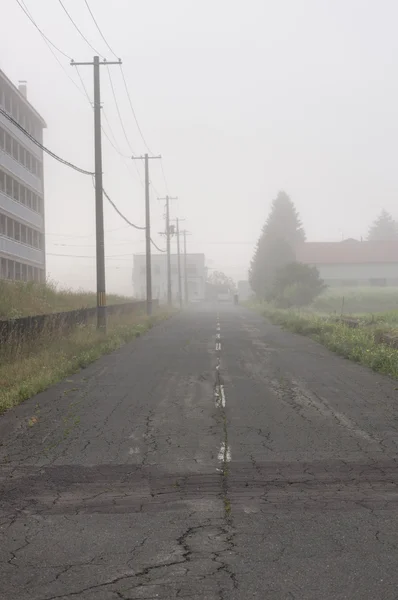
{"points": [[216, 457]]}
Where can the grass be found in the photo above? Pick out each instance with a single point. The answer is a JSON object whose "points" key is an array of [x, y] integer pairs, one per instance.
{"points": [[359, 344], [52, 358], [20, 299], [356, 300]]}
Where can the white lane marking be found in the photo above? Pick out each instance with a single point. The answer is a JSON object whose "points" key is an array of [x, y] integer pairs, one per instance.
{"points": [[219, 395], [218, 327], [134, 451], [222, 396], [218, 336], [218, 346], [224, 454]]}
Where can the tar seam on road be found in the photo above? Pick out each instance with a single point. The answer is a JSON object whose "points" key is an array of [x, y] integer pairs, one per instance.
{"points": [[224, 454]]}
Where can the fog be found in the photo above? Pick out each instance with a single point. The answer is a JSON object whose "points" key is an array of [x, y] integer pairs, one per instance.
{"points": [[241, 99]]}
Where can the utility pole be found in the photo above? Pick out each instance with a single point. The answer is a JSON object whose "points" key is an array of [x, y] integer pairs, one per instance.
{"points": [[147, 233], [168, 235], [185, 268], [179, 263], [99, 204]]}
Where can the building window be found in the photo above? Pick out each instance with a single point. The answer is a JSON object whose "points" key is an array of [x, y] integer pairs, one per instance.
{"points": [[18, 273], [15, 108], [3, 225], [20, 193], [15, 193], [7, 101], [8, 143], [8, 186], [17, 231], [3, 268], [19, 153], [15, 146], [10, 227], [10, 269], [24, 273]]}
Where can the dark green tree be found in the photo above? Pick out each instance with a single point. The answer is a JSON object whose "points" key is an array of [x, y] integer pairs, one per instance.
{"points": [[383, 229], [296, 284], [281, 234]]}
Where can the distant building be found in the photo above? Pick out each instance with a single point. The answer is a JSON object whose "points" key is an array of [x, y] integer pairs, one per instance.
{"points": [[196, 271], [352, 263], [22, 240]]}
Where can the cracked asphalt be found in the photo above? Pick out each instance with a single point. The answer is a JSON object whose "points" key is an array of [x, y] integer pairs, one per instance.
{"points": [[217, 457]]}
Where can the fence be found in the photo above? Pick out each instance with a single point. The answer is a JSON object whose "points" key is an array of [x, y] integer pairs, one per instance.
{"points": [[28, 328]]}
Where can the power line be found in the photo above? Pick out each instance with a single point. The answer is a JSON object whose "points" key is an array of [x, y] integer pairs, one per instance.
{"points": [[121, 214], [118, 111], [25, 10], [164, 177], [133, 111], [113, 256], [98, 27], [77, 29], [40, 145], [118, 211], [69, 235], [157, 247], [49, 45], [84, 92]]}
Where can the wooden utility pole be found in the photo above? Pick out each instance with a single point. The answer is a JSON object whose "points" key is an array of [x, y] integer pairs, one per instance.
{"points": [[179, 263], [147, 233], [185, 268], [168, 236], [99, 205]]}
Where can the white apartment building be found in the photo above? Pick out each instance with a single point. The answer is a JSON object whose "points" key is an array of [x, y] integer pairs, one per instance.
{"points": [[22, 229], [196, 276]]}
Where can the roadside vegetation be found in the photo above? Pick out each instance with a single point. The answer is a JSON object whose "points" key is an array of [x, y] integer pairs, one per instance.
{"points": [[369, 339], [34, 366], [20, 299], [359, 324]]}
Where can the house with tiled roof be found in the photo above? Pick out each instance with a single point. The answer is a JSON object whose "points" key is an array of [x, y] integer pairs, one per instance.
{"points": [[352, 262]]}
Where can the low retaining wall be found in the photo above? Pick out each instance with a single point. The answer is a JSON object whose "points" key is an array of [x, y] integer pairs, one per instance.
{"points": [[16, 330]]}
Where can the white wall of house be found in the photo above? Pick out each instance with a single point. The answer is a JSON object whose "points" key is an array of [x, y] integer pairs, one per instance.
{"points": [[361, 274]]}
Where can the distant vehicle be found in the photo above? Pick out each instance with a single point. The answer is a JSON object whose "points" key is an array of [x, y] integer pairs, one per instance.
{"points": [[224, 296]]}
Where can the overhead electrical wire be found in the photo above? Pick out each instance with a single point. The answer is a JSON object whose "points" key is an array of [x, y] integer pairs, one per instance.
{"points": [[123, 76], [112, 256], [120, 213], [84, 92], [98, 27], [157, 247], [25, 10], [118, 111], [79, 30], [50, 45], [164, 176], [133, 111], [40, 145]]}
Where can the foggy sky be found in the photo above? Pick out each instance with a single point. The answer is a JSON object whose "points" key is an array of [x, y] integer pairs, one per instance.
{"points": [[242, 99]]}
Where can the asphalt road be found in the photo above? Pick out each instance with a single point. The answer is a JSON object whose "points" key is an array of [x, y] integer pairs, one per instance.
{"points": [[217, 457]]}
